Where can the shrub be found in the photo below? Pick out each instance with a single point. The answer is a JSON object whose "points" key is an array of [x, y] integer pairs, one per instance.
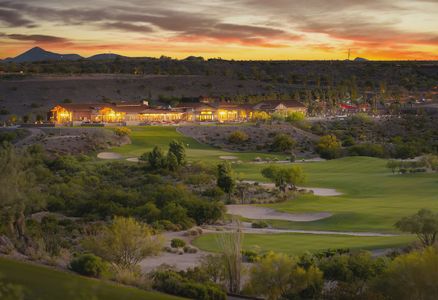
{"points": [[238, 137], [295, 116], [174, 283], [373, 150], [282, 143], [250, 256], [259, 224], [177, 243], [329, 147], [188, 249], [122, 131], [89, 265]]}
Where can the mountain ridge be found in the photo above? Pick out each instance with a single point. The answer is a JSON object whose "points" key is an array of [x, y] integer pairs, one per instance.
{"points": [[36, 54]]}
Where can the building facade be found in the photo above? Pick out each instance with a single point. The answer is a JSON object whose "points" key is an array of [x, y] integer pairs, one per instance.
{"points": [[142, 113]]}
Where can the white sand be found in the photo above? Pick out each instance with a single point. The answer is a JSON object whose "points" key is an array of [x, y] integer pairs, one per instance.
{"points": [[109, 155], [324, 192], [228, 157], [264, 213], [133, 159]]}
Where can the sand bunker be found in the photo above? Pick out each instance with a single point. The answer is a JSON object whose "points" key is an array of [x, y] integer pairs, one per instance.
{"points": [[324, 192], [264, 213], [228, 157], [133, 159], [109, 155]]}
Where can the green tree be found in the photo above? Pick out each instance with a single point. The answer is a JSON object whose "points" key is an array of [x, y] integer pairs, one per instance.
{"points": [[283, 143], [172, 161], [284, 176], [393, 165], [411, 276], [156, 158], [329, 147], [225, 178], [277, 276], [424, 224], [179, 150], [124, 243]]}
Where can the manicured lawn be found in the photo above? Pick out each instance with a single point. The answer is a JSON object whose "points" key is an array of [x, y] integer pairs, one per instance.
{"points": [[373, 200], [297, 243], [144, 138], [43, 283]]}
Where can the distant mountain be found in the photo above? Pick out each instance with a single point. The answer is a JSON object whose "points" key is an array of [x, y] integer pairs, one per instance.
{"points": [[359, 59], [39, 54], [105, 56]]}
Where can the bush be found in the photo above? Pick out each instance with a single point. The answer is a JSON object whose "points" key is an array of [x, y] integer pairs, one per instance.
{"points": [[238, 137], [250, 256], [373, 150], [282, 143], [174, 283], [89, 265], [188, 249], [122, 131], [259, 224], [177, 243]]}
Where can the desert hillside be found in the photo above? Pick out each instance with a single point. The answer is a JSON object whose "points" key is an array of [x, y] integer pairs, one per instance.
{"points": [[37, 93]]}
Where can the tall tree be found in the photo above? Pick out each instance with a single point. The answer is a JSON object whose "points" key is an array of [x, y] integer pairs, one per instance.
{"points": [[284, 176], [178, 149], [424, 224], [225, 178], [156, 158]]}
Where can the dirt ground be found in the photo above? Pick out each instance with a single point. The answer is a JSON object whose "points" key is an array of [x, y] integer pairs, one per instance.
{"points": [[260, 137], [72, 140]]}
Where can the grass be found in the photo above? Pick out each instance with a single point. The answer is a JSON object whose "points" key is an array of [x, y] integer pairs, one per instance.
{"points": [[373, 199], [297, 243], [144, 138], [43, 283]]}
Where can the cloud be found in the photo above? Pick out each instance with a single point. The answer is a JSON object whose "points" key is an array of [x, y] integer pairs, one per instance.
{"points": [[12, 18], [37, 38], [123, 26]]}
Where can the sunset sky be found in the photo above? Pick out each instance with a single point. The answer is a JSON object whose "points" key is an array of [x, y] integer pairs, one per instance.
{"points": [[231, 29]]}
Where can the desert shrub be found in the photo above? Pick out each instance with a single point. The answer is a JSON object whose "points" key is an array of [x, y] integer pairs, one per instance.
{"points": [[259, 224], [89, 265], [295, 116], [122, 131], [373, 150], [177, 243], [238, 137], [188, 249], [329, 147], [282, 143], [250, 256], [174, 283]]}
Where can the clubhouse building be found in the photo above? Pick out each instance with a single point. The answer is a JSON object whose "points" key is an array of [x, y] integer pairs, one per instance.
{"points": [[142, 114]]}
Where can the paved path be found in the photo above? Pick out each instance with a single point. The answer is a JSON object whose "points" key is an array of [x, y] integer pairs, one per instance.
{"points": [[247, 229]]}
